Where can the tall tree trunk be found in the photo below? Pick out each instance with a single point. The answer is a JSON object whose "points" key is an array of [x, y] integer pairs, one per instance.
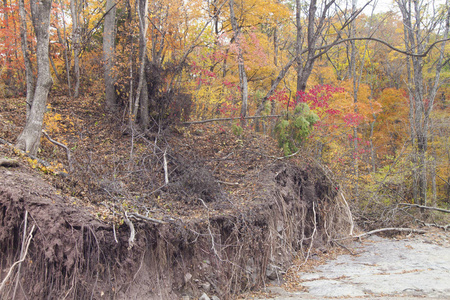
{"points": [[55, 70], [26, 57], [355, 81], [63, 41], [241, 66], [298, 46], [315, 29], [412, 11], [140, 93], [75, 12], [9, 76], [29, 139], [109, 36]]}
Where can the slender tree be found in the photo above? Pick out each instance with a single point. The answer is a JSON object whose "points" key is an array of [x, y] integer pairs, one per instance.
{"points": [[241, 65], [29, 139], [422, 97], [26, 56], [75, 10], [109, 36]]}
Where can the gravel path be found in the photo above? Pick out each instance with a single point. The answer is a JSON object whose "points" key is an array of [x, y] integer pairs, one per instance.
{"points": [[417, 267]]}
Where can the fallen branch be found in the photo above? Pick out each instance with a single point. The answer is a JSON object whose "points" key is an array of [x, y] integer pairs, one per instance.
{"points": [[426, 207], [410, 230], [62, 146], [229, 119], [346, 248], [228, 183], [166, 172], [138, 216]]}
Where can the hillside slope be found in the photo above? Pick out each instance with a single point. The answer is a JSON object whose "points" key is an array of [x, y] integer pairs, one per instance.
{"points": [[231, 217]]}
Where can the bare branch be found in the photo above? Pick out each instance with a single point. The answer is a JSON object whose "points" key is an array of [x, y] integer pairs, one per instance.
{"points": [[425, 53], [229, 119], [139, 216], [426, 207], [62, 146], [410, 230]]}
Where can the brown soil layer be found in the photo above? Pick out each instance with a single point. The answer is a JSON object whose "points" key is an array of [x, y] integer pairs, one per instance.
{"points": [[75, 255]]}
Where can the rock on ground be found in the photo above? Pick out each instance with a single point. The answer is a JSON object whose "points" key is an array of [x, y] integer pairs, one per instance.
{"points": [[381, 268]]}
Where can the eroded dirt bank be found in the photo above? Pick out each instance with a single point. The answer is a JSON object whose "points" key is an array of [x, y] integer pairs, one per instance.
{"points": [[74, 255]]}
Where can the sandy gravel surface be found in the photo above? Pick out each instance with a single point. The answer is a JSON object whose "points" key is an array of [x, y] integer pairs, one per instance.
{"points": [[412, 267]]}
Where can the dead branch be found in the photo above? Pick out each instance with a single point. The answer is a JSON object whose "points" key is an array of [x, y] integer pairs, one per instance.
{"points": [[62, 146], [228, 183], [21, 260], [166, 172], [443, 227], [138, 216], [410, 230], [343, 246], [229, 119], [426, 207]]}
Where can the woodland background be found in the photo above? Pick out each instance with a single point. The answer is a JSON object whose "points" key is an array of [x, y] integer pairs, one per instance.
{"points": [[376, 85]]}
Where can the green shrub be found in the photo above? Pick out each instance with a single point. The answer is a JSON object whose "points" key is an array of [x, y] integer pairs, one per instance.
{"points": [[294, 127]]}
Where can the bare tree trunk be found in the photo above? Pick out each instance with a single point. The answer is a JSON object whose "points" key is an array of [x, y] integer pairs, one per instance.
{"points": [[412, 11], [356, 81], [298, 46], [29, 139], [9, 76], [63, 41], [316, 26], [54, 69], [143, 26], [242, 74], [75, 11], [26, 57], [109, 36]]}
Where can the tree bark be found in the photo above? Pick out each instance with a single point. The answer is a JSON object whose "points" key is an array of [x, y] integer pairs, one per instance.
{"points": [[26, 57], [142, 92], [75, 12], [241, 66], [109, 36], [29, 139], [63, 41], [298, 46]]}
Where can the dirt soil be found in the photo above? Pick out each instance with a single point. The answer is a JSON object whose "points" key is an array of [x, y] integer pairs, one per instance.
{"points": [[232, 217]]}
